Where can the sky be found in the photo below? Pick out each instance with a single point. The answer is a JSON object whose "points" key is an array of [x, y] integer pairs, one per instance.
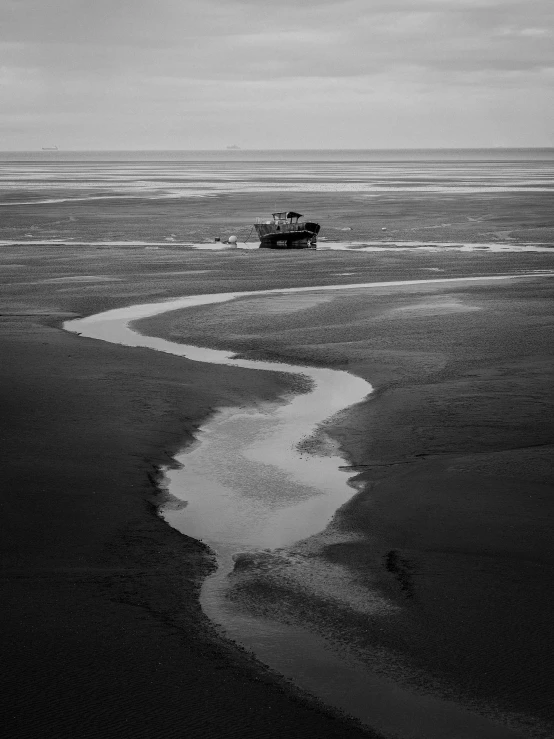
{"points": [[301, 74]]}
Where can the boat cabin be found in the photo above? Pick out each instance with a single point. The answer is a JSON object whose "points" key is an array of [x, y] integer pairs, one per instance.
{"points": [[288, 216]]}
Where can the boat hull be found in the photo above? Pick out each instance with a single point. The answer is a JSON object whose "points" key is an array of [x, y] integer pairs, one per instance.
{"points": [[287, 236], [298, 240]]}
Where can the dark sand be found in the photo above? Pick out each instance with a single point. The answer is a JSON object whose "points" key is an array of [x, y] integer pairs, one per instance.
{"points": [[104, 635], [407, 216], [454, 455]]}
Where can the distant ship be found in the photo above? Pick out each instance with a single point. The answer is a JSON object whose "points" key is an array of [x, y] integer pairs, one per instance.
{"points": [[49, 148], [234, 146], [286, 231]]}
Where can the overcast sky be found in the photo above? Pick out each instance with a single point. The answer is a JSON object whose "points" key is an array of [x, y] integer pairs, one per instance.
{"points": [[183, 74]]}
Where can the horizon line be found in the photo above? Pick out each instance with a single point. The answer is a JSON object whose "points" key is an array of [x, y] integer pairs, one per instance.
{"points": [[241, 149]]}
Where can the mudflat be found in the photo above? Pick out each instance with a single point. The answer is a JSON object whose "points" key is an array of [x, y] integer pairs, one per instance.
{"points": [[452, 455], [104, 634]]}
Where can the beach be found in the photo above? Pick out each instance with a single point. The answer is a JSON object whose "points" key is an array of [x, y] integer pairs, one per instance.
{"points": [[450, 458]]}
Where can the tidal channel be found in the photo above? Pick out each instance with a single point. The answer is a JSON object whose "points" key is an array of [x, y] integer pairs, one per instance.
{"points": [[245, 487]]}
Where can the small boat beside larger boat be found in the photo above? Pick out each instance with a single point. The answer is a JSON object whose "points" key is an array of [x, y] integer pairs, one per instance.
{"points": [[286, 231]]}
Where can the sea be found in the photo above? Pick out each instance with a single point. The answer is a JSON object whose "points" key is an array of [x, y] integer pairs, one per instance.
{"points": [[56, 176]]}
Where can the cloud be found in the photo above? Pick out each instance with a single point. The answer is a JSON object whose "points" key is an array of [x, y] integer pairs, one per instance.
{"points": [[123, 59], [234, 39]]}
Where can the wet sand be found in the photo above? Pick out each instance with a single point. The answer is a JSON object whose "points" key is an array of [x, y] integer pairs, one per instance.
{"points": [[455, 467], [500, 218], [105, 631], [471, 197], [103, 634]]}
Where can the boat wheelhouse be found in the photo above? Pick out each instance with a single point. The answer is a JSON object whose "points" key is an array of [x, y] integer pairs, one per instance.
{"points": [[287, 231]]}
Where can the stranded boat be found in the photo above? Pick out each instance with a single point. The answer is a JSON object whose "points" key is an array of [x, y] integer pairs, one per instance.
{"points": [[286, 231]]}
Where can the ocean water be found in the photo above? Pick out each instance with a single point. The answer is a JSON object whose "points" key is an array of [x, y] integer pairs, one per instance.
{"points": [[55, 177], [287, 155]]}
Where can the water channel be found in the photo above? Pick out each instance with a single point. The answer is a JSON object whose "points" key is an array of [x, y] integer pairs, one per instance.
{"points": [[244, 486]]}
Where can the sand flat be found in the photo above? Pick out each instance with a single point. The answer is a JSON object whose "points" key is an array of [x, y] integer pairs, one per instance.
{"points": [[438, 517], [103, 595]]}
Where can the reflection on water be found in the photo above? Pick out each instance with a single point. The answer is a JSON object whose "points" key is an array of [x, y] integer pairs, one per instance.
{"points": [[247, 486]]}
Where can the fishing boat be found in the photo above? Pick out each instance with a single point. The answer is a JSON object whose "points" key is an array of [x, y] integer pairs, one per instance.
{"points": [[287, 231]]}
